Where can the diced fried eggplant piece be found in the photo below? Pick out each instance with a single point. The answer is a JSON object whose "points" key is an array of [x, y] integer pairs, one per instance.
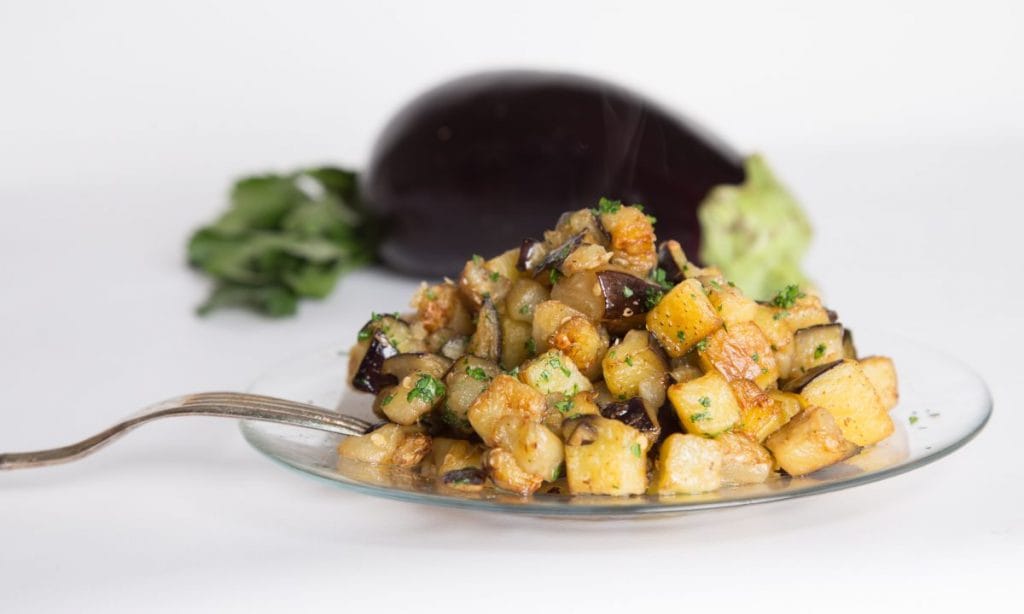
{"points": [[531, 253], [486, 340], [470, 478], [706, 405], [403, 365], [682, 318], [632, 412], [688, 464], [468, 378], [847, 393], [740, 352], [744, 461], [415, 395], [523, 298], [672, 260], [506, 396], [816, 345], [553, 372], [605, 457], [369, 377], [633, 364], [586, 257], [626, 295], [398, 332], [570, 223], [556, 255], [881, 372], [391, 444], [563, 407], [810, 441], [448, 455], [583, 342]]}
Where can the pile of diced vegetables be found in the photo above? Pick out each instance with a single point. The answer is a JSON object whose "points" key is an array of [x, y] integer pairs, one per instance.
{"points": [[599, 362]]}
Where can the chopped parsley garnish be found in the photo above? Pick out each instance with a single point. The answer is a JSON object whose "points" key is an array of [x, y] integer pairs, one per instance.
{"points": [[681, 335], [494, 276], [558, 472], [564, 405], [705, 402], [912, 419], [819, 351], [428, 389], [627, 292], [606, 205], [702, 345], [629, 360], [477, 259], [554, 275], [653, 298], [555, 362], [525, 309], [718, 286], [788, 296], [477, 373], [660, 277], [636, 450], [531, 346], [781, 314], [364, 334], [387, 399], [544, 375], [755, 357], [431, 295], [653, 220], [699, 416]]}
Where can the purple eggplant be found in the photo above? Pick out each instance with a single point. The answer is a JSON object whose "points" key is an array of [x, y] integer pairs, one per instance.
{"points": [[632, 413], [488, 159], [370, 376], [627, 295]]}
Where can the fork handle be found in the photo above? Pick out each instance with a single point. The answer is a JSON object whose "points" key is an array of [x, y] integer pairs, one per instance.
{"points": [[223, 405]]}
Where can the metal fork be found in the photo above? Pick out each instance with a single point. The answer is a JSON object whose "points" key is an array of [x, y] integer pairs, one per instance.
{"points": [[221, 404]]}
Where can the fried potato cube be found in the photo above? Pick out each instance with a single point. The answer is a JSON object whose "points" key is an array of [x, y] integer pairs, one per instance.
{"points": [[760, 414], [506, 396], [583, 342], [604, 457], [631, 363], [536, 448], [551, 372], [491, 279], [805, 312], [391, 444], [881, 372], [744, 461], [682, 318], [688, 464], [847, 393], [516, 341], [441, 306], [706, 405], [741, 352], [633, 241], [547, 317], [506, 473], [732, 306], [455, 454], [810, 441]]}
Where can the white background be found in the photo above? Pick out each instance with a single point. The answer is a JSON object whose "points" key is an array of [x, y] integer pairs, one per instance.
{"points": [[121, 125]]}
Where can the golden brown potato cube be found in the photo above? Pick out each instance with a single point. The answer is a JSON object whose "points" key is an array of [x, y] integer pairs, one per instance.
{"points": [[815, 346], [881, 372], [583, 342], [506, 396], [441, 307], [391, 444], [732, 305], [523, 298], [682, 318], [547, 317], [633, 241], [506, 473], [741, 352], [551, 372], [744, 461], [688, 465], [516, 341], [805, 312], [586, 257], [810, 441], [760, 415], [562, 407], [454, 454], [488, 279], [789, 402], [631, 363], [536, 448], [847, 393], [706, 405], [604, 457], [464, 382]]}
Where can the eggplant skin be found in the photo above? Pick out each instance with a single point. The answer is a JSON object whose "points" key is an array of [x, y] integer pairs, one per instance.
{"points": [[493, 157], [370, 376]]}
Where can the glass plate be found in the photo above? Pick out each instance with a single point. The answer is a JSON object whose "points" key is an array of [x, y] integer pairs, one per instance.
{"points": [[943, 405]]}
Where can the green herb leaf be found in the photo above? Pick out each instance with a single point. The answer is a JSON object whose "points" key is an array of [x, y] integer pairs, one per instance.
{"points": [[636, 450], [606, 205], [788, 296], [702, 345], [477, 373], [627, 292], [427, 388], [705, 402], [819, 351]]}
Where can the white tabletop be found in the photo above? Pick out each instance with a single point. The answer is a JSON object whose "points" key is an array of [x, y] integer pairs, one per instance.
{"points": [[915, 233]]}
